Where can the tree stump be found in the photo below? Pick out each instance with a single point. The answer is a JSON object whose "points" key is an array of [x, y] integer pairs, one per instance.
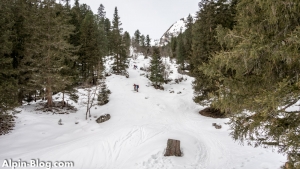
{"points": [[173, 148]]}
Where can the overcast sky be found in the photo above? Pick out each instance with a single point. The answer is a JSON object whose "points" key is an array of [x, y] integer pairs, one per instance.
{"points": [[151, 17]]}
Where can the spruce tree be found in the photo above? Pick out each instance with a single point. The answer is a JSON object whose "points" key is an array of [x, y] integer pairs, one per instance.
{"points": [[49, 46], [143, 44], [21, 34], [68, 72], [76, 19], [107, 28], [204, 45], [137, 36], [188, 37], [103, 94], [8, 82], [173, 46], [156, 68], [89, 48], [101, 11], [262, 55], [127, 42], [118, 45], [148, 45], [102, 31], [180, 51]]}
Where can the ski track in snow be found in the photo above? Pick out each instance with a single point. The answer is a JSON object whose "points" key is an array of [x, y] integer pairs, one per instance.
{"points": [[136, 135]]}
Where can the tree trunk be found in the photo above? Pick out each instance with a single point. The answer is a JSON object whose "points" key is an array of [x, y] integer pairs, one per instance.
{"points": [[20, 96], [88, 104], [63, 99], [49, 96]]}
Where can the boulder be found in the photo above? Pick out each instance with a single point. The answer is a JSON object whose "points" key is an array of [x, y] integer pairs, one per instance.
{"points": [[103, 118]]}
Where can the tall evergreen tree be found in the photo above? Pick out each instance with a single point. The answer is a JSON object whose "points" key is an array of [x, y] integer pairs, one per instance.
{"points": [[50, 48], [142, 44], [118, 47], [92, 47], [118, 44], [156, 68], [137, 36], [107, 28], [102, 30], [188, 37], [148, 45], [180, 50], [263, 56], [101, 11], [204, 45], [22, 10], [8, 83], [173, 46], [127, 42]]}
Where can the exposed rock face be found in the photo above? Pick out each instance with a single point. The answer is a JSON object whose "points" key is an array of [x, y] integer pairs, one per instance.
{"points": [[174, 30]]}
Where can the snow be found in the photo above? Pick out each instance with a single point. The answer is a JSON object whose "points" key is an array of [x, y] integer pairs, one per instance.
{"points": [[175, 29], [136, 135]]}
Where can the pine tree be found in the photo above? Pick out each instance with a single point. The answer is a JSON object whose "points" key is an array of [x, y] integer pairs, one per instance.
{"points": [[76, 21], [118, 47], [107, 28], [101, 11], [103, 94], [180, 51], [143, 44], [49, 46], [8, 82], [88, 47], [22, 10], [204, 45], [136, 43], [156, 68], [148, 45], [188, 37], [173, 46], [127, 42], [68, 71], [262, 55], [102, 31]]}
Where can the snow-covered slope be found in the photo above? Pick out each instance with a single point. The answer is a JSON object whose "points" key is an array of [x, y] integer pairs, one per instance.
{"points": [[174, 30], [136, 135]]}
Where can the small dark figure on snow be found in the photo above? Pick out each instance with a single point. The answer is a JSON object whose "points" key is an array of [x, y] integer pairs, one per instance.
{"points": [[135, 66], [137, 88], [134, 87]]}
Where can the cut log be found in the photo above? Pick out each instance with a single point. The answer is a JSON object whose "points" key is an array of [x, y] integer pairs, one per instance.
{"points": [[173, 148]]}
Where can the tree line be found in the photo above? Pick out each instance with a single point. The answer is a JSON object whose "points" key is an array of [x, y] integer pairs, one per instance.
{"points": [[141, 43], [49, 47], [244, 55]]}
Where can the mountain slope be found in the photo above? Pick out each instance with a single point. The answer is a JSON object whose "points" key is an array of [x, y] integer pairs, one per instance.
{"points": [[174, 30], [136, 135]]}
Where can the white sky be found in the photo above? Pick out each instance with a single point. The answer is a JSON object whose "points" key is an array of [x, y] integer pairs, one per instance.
{"points": [[151, 17]]}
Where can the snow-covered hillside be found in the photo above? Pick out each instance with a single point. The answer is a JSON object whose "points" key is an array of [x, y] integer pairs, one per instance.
{"points": [[136, 135], [174, 30]]}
